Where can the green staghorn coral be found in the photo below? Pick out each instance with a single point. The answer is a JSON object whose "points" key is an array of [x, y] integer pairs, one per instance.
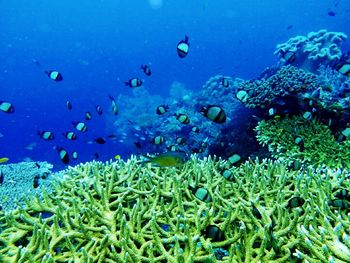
{"points": [[317, 145], [124, 212]]}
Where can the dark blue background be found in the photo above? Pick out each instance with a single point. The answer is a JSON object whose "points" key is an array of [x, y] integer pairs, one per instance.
{"points": [[97, 45]]}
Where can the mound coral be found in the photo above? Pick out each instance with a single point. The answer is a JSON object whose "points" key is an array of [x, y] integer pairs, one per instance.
{"points": [[124, 212], [287, 81], [314, 49], [297, 139]]}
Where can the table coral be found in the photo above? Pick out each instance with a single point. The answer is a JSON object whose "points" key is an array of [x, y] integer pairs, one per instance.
{"points": [[124, 212], [298, 139]]}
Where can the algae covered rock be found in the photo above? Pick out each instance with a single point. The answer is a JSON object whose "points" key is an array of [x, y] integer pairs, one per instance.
{"points": [[124, 212]]}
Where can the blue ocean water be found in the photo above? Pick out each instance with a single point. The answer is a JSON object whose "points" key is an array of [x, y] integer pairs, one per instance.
{"points": [[98, 45]]}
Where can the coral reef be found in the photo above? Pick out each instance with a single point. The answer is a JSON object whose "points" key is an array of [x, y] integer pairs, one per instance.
{"points": [[202, 212], [21, 180], [209, 139], [214, 90], [334, 91], [316, 48], [297, 139], [285, 82]]}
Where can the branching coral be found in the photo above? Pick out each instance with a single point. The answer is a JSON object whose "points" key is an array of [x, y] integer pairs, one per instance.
{"points": [[124, 212], [297, 139]]}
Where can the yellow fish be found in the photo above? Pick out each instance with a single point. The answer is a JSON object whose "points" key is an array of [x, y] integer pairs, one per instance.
{"points": [[4, 159], [168, 159], [117, 157]]}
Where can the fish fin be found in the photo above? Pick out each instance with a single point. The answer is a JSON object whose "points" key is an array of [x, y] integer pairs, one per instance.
{"points": [[186, 39]]}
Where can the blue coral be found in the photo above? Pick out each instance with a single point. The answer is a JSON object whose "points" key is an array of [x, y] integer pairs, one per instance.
{"points": [[315, 49], [18, 182]]}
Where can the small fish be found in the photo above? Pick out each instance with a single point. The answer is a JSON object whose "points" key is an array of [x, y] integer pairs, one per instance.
{"points": [[182, 48], [183, 118], [161, 109], [54, 75], [195, 129], [112, 137], [138, 145], [299, 141], [343, 67], [4, 159], [6, 107], [134, 83], [99, 109], [331, 13], [64, 157], [117, 157], [307, 115], [115, 109], [96, 155], [180, 140], [173, 148], [2, 177], [69, 105], [36, 181], [70, 135], [146, 69], [80, 126], [214, 233], [74, 155], [214, 113], [46, 135], [100, 140], [228, 175], [343, 194], [289, 27], [168, 159], [36, 62], [256, 212], [224, 82], [157, 140], [272, 112], [295, 202], [288, 56], [31, 146], [339, 204], [88, 116], [201, 193], [37, 165]]}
